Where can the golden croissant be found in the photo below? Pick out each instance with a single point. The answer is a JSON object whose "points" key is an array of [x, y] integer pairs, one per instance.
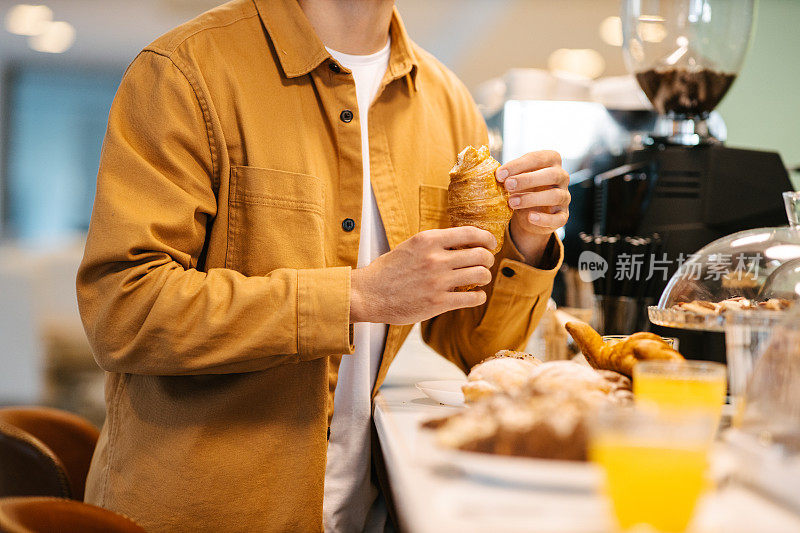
{"points": [[474, 198], [621, 356]]}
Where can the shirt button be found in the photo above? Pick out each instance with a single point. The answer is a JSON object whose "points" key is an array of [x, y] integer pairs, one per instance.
{"points": [[346, 115], [508, 272], [348, 224], [335, 68]]}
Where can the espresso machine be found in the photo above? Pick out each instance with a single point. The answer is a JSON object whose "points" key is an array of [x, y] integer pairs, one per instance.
{"points": [[684, 183]]}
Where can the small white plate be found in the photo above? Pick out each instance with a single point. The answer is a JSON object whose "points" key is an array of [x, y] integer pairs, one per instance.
{"points": [[447, 392]]}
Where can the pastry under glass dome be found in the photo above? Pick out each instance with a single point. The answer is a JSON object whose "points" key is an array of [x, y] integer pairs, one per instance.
{"points": [[754, 271], [742, 284]]}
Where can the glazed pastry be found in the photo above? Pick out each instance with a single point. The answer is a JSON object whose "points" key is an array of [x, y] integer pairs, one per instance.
{"points": [[621, 356], [547, 426], [546, 417], [506, 371], [474, 198], [579, 380]]}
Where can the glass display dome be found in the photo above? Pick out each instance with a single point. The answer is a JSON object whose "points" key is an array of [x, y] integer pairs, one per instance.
{"points": [[745, 285], [755, 271]]}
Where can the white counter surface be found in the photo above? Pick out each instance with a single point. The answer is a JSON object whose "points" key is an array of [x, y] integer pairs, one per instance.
{"points": [[431, 499]]}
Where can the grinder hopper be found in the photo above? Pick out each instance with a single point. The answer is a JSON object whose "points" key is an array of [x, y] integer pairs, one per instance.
{"points": [[685, 55]]}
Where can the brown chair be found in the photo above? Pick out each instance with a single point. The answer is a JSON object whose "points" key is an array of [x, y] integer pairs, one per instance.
{"points": [[68, 437], [55, 515], [28, 467]]}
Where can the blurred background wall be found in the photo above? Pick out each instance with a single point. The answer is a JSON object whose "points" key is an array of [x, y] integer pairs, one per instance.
{"points": [[56, 88], [54, 104]]}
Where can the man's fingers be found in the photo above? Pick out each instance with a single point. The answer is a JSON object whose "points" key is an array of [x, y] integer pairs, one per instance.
{"points": [[529, 162], [466, 237], [559, 197], [549, 221], [459, 300], [475, 275], [546, 177], [470, 257]]}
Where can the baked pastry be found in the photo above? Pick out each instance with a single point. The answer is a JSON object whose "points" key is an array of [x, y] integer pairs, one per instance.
{"points": [[775, 304], [514, 354], [740, 281], [733, 304], [474, 198], [620, 356], [507, 371], [699, 307], [737, 303], [546, 417], [547, 427], [555, 377]]}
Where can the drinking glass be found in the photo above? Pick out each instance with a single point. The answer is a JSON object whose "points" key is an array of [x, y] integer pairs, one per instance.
{"points": [[681, 385], [613, 339], [655, 464]]}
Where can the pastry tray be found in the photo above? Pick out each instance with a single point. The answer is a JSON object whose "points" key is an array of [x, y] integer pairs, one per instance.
{"points": [[675, 318]]}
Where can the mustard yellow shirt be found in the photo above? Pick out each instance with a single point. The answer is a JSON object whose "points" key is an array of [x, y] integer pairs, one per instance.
{"points": [[215, 287]]}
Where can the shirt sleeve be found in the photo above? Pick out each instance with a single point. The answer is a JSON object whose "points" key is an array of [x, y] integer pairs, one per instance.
{"points": [[516, 300], [146, 306]]}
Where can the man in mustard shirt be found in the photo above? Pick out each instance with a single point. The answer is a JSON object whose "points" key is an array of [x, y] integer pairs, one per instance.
{"points": [[267, 225]]}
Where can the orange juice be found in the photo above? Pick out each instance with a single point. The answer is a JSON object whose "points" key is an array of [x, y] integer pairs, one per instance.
{"points": [[676, 392], [651, 483], [689, 385]]}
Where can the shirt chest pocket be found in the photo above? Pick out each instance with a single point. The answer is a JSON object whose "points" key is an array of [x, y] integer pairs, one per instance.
{"points": [[433, 207], [275, 220]]}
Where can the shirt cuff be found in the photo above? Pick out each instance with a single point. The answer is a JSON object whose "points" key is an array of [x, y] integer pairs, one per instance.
{"points": [[323, 313], [515, 276]]}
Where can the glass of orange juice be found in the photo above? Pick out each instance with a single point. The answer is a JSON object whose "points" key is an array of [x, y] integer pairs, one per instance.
{"points": [[655, 464], [692, 385]]}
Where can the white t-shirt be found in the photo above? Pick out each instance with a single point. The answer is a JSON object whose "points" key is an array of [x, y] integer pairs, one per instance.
{"points": [[349, 493]]}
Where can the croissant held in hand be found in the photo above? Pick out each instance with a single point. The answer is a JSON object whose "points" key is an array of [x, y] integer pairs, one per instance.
{"points": [[474, 198]]}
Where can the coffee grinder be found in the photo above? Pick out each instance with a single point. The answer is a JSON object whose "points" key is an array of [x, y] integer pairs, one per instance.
{"points": [[684, 183]]}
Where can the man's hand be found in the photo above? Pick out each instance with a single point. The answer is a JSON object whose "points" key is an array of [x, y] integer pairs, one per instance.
{"points": [[415, 281], [539, 197]]}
